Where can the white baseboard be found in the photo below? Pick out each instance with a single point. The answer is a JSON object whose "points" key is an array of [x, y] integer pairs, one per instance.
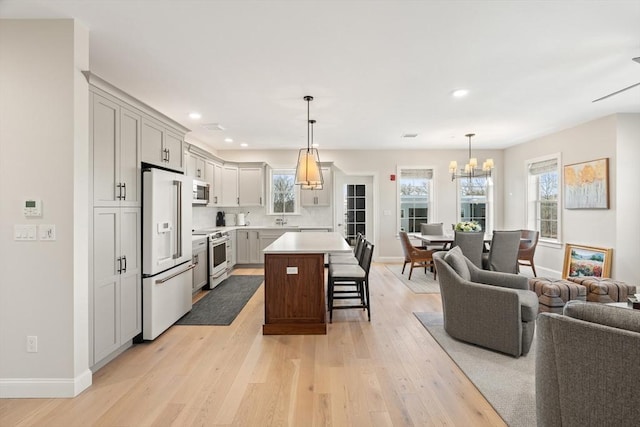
{"points": [[45, 387]]}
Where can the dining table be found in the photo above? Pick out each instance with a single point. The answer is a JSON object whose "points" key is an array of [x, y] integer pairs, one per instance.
{"points": [[440, 239]]}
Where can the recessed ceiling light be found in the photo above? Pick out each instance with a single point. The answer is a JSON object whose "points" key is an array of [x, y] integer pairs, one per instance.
{"points": [[244, 144], [459, 93], [195, 115], [228, 140], [409, 135]]}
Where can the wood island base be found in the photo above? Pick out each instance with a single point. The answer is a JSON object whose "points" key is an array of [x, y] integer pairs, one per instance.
{"points": [[294, 301]]}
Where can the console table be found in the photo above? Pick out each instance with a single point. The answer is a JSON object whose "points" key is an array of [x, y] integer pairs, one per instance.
{"points": [[294, 293]]}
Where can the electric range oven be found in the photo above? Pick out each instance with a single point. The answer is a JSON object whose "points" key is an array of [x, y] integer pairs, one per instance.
{"points": [[218, 242]]}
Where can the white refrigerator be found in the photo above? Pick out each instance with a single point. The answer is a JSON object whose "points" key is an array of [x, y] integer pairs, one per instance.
{"points": [[167, 271]]}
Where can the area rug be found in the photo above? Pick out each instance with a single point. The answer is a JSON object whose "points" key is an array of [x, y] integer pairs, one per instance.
{"points": [[420, 282], [507, 383], [224, 302]]}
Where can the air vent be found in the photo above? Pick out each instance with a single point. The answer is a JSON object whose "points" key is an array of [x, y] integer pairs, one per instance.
{"points": [[213, 126], [409, 135]]}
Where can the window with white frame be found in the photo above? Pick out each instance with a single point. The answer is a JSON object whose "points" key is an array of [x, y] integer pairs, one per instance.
{"points": [[415, 188], [476, 197], [284, 194], [543, 197]]}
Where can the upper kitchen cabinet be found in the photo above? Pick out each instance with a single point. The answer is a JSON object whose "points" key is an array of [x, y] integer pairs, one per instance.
{"points": [[251, 185], [310, 198], [229, 185], [215, 196], [115, 151], [160, 145], [195, 166]]}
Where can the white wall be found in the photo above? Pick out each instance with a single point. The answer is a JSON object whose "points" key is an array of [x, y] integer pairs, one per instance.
{"points": [[43, 155], [627, 249], [615, 137]]}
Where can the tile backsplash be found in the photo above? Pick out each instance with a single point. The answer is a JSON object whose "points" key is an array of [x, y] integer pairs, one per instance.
{"points": [[205, 217]]}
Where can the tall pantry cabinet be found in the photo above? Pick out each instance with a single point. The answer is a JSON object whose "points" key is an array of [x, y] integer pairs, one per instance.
{"points": [[116, 131]]}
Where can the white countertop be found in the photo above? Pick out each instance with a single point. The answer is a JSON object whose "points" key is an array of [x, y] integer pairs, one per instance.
{"points": [[308, 243]]}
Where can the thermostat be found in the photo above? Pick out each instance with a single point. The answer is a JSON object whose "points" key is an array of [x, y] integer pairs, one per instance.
{"points": [[32, 207]]}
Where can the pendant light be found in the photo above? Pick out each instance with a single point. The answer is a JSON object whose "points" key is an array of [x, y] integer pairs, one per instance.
{"points": [[470, 169], [312, 186], [308, 173]]}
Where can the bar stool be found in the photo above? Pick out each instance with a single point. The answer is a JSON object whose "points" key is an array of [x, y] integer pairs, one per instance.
{"points": [[350, 282]]}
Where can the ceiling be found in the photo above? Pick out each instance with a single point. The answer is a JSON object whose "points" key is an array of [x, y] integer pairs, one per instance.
{"points": [[377, 69]]}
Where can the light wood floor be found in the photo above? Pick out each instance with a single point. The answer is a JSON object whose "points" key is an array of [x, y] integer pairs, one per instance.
{"points": [[389, 372]]}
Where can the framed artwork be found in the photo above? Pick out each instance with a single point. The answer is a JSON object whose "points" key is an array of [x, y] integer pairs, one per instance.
{"points": [[586, 185], [586, 261]]}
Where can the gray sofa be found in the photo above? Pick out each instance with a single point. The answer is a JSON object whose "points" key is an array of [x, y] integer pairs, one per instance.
{"points": [[491, 309], [588, 366]]}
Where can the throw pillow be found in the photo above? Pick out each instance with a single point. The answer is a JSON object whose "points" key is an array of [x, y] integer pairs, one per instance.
{"points": [[456, 260]]}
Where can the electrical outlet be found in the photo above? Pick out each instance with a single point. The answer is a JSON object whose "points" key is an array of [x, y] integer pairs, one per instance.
{"points": [[32, 344]]}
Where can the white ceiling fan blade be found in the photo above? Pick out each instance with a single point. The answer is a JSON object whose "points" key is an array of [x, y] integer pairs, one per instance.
{"points": [[636, 59], [616, 92]]}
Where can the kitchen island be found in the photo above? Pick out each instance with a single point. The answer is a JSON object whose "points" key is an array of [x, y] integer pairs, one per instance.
{"points": [[294, 301]]}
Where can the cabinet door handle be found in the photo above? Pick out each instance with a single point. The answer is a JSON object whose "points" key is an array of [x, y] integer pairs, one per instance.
{"points": [[124, 269], [199, 174], [238, 200], [119, 261], [260, 200], [119, 187], [168, 155], [216, 202], [124, 187]]}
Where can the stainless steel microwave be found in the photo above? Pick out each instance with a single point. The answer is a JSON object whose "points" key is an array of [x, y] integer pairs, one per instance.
{"points": [[200, 192]]}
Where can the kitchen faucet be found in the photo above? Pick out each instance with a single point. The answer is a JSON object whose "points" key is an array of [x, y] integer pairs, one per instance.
{"points": [[281, 221]]}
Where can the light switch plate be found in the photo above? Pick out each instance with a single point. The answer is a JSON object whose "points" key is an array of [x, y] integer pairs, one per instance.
{"points": [[47, 231], [24, 232]]}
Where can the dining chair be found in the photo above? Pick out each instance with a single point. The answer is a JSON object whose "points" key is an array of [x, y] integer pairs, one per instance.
{"points": [[433, 229], [350, 282], [503, 254], [415, 256], [471, 244], [528, 249]]}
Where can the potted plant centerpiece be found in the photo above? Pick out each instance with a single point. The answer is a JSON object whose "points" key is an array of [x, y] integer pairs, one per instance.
{"points": [[469, 226]]}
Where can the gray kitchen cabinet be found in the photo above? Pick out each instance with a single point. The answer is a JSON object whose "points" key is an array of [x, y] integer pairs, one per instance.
{"points": [[115, 151], [200, 260], [229, 185], [208, 178], [251, 186], [195, 166], [215, 197], [267, 237], [173, 144], [248, 247], [117, 303], [161, 146], [309, 198]]}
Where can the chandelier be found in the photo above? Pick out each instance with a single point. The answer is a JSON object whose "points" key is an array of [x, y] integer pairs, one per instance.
{"points": [[471, 169], [308, 173]]}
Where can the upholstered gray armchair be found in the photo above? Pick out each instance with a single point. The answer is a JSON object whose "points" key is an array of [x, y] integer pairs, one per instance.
{"points": [[587, 366], [491, 309]]}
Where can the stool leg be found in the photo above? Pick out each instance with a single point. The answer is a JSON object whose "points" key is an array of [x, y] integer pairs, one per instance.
{"points": [[366, 289]]}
